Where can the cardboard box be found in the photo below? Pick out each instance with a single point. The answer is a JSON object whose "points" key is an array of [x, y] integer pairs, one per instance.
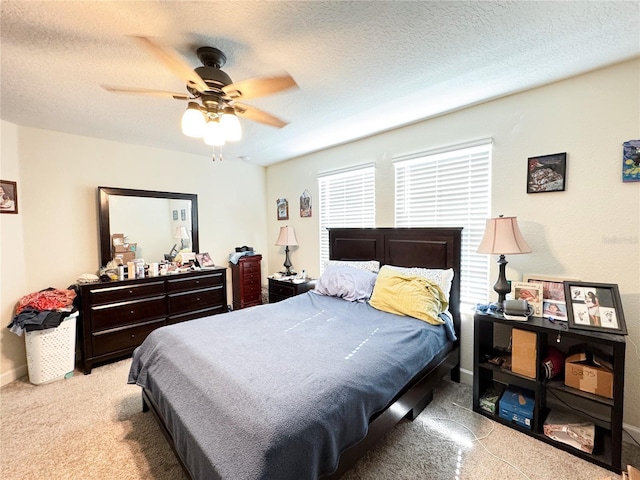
{"points": [[581, 374], [117, 239], [516, 406], [524, 358], [124, 257], [125, 247]]}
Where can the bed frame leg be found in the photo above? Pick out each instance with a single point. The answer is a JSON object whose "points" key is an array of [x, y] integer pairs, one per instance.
{"points": [[417, 409], [455, 374]]}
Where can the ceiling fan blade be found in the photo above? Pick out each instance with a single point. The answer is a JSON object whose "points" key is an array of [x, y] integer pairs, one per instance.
{"points": [[259, 87], [257, 115], [145, 91], [172, 60]]}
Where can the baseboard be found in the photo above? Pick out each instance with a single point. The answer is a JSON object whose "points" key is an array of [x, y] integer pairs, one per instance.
{"points": [[11, 375], [631, 431]]}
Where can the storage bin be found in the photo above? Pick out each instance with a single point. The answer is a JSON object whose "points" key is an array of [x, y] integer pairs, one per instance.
{"points": [[51, 353]]}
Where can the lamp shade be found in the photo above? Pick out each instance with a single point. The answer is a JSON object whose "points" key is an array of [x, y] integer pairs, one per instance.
{"points": [[231, 125], [286, 237], [502, 237], [193, 121], [181, 233]]}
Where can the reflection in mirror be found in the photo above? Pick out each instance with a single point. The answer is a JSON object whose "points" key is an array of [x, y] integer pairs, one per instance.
{"points": [[155, 225]]}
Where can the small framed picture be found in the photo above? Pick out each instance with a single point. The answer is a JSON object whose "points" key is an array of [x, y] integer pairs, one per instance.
{"points": [[204, 260], [8, 197], [631, 161], [305, 204], [594, 306], [547, 173], [531, 292], [554, 305], [283, 209]]}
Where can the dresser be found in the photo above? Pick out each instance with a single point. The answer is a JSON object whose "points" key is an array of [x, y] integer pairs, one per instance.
{"points": [[282, 289], [117, 316], [246, 279]]}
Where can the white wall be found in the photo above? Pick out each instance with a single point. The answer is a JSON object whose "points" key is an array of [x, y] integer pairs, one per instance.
{"points": [[54, 237], [590, 232]]}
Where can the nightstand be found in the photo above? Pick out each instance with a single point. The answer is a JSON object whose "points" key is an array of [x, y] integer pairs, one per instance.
{"points": [[282, 289]]}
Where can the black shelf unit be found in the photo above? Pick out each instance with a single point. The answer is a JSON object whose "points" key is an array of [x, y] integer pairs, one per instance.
{"points": [[604, 412]]}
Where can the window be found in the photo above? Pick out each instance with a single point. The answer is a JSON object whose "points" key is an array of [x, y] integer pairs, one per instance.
{"points": [[347, 199], [450, 187]]}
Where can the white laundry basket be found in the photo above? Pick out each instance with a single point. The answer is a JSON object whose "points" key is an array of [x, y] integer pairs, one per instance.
{"points": [[51, 353]]}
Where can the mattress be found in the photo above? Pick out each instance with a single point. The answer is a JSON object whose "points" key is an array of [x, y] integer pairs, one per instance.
{"points": [[280, 390]]}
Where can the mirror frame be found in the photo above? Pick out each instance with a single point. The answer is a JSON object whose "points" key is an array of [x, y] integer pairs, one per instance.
{"points": [[104, 193]]}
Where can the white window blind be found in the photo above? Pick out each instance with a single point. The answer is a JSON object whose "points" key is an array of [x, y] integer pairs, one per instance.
{"points": [[450, 187], [347, 199]]}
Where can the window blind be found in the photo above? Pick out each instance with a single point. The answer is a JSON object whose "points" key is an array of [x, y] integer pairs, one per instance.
{"points": [[450, 187], [347, 199]]}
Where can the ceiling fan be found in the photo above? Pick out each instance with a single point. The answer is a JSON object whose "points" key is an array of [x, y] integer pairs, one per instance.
{"points": [[213, 97]]}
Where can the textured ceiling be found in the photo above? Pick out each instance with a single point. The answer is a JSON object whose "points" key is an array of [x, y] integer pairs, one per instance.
{"points": [[362, 67]]}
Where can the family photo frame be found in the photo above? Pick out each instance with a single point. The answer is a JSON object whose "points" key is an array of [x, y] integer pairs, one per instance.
{"points": [[554, 305], [8, 196], [594, 306]]}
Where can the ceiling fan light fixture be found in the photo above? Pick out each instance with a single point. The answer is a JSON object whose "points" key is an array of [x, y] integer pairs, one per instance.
{"points": [[230, 125], [193, 121], [213, 133]]}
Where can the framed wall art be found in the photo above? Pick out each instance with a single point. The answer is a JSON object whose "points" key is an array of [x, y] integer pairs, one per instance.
{"points": [[594, 306], [547, 173], [8, 197], [282, 209], [305, 204], [631, 161]]}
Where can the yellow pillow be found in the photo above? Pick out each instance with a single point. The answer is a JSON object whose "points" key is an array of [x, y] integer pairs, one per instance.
{"points": [[408, 295]]}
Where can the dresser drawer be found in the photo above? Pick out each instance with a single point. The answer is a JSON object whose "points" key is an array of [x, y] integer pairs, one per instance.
{"points": [[250, 267], [198, 300], [251, 279], [124, 338], [195, 283], [122, 293], [126, 313]]}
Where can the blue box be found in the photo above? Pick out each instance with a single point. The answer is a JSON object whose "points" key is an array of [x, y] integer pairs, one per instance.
{"points": [[516, 405]]}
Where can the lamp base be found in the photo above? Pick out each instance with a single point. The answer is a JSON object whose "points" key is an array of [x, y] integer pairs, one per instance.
{"points": [[287, 262], [502, 286]]}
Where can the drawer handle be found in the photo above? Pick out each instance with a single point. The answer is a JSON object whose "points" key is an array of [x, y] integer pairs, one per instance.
{"points": [[197, 299], [132, 312], [130, 292], [197, 282], [133, 336]]}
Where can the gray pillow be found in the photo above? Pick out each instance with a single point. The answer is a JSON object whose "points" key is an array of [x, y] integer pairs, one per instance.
{"points": [[349, 283]]}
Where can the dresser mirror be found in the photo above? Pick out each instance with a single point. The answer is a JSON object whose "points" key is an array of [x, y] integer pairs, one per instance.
{"points": [[158, 223]]}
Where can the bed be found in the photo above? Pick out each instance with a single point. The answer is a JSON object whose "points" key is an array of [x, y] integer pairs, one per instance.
{"points": [[304, 387]]}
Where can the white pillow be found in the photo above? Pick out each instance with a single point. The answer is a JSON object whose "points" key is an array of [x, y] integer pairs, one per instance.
{"points": [[366, 265], [443, 277], [349, 283]]}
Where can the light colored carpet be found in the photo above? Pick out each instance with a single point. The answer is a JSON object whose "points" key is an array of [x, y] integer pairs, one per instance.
{"points": [[92, 427]]}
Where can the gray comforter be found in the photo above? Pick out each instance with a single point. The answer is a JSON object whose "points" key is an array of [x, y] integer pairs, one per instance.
{"points": [[279, 391]]}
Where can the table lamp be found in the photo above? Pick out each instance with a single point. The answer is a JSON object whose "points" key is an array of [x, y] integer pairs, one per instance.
{"points": [[287, 237], [502, 237], [182, 234]]}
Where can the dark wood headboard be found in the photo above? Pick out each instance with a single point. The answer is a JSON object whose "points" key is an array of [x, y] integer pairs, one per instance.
{"points": [[404, 247]]}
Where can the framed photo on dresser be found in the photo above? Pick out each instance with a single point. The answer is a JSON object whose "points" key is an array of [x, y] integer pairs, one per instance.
{"points": [[594, 306]]}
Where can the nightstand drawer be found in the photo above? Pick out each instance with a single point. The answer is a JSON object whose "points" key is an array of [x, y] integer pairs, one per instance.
{"points": [[282, 289]]}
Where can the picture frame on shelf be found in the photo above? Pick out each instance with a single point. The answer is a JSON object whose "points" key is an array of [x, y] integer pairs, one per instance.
{"points": [[554, 305], [204, 259], [547, 173], [531, 292], [594, 306], [8, 196]]}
